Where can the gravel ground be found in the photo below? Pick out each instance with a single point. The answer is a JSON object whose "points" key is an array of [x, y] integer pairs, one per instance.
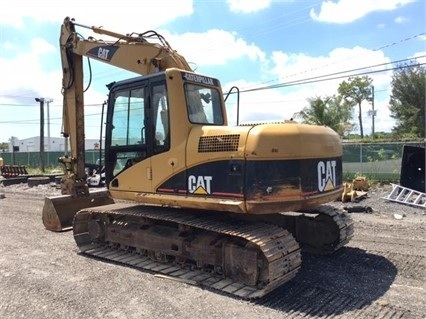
{"points": [[380, 273]]}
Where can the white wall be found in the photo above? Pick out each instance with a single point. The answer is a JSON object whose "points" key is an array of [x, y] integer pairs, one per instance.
{"points": [[57, 144]]}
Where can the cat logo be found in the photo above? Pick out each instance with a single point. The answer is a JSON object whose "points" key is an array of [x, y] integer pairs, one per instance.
{"points": [[326, 175], [199, 184], [103, 53]]}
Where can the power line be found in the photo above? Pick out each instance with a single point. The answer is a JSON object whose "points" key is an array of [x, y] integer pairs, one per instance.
{"points": [[334, 76], [31, 105], [348, 59], [37, 121], [321, 78]]}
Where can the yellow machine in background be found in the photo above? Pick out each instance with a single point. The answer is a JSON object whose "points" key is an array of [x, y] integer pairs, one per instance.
{"points": [[226, 206]]}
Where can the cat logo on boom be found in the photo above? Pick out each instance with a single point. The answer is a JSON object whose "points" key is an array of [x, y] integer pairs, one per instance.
{"points": [[199, 185], [326, 175], [103, 53]]}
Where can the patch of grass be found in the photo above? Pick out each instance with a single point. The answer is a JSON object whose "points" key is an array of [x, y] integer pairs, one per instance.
{"points": [[47, 170]]}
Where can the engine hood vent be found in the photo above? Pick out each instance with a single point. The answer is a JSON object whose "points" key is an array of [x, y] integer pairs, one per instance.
{"points": [[218, 143]]}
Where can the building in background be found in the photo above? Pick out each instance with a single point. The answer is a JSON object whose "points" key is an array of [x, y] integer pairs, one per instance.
{"points": [[57, 144]]}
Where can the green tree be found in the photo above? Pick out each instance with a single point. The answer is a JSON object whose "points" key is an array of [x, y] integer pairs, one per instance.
{"points": [[330, 111], [4, 146], [354, 92], [407, 103]]}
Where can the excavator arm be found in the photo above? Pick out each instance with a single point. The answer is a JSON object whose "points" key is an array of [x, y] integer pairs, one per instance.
{"points": [[141, 53]]}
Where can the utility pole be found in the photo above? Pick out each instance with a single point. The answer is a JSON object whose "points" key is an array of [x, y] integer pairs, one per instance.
{"points": [[41, 101], [48, 101], [373, 112]]}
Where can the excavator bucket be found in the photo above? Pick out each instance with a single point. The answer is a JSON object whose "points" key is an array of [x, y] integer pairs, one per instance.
{"points": [[59, 211]]}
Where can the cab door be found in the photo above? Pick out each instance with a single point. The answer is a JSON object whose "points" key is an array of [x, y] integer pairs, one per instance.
{"points": [[128, 137], [167, 163]]}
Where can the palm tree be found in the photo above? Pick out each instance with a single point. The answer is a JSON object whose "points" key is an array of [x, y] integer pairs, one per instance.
{"points": [[330, 111]]}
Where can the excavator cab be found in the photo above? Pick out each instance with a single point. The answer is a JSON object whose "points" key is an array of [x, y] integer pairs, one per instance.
{"points": [[148, 123]]}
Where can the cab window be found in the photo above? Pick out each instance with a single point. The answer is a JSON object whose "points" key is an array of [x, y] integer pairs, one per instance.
{"points": [[128, 120], [203, 105], [161, 123]]}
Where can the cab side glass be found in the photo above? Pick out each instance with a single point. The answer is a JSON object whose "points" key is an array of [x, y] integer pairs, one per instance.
{"points": [[203, 105]]}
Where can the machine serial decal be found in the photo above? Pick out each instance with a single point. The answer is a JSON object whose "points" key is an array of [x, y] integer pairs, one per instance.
{"points": [[199, 184], [326, 175], [103, 52]]}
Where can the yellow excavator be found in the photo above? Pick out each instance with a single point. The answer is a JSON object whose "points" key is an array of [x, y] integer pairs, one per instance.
{"points": [[188, 196]]}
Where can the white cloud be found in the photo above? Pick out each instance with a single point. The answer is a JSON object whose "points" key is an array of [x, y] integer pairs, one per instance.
{"points": [[136, 16], [214, 47], [41, 46], [23, 80], [24, 75], [419, 56], [202, 48], [401, 20], [247, 6], [281, 104], [7, 46], [346, 11], [297, 67], [25, 70], [259, 105]]}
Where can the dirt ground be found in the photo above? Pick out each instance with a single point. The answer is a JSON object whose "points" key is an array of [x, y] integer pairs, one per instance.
{"points": [[379, 274]]}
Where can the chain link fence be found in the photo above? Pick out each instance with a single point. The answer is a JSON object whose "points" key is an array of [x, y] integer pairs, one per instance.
{"points": [[378, 161], [32, 159]]}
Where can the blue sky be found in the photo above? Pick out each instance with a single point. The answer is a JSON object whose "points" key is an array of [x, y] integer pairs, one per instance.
{"points": [[247, 43]]}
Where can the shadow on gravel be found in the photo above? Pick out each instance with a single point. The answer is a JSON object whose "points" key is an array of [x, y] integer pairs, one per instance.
{"points": [[331, 285]]}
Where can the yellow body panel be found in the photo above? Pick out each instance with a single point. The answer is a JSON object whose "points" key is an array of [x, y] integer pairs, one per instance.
{"points": [[292, 141], [266, 142]]}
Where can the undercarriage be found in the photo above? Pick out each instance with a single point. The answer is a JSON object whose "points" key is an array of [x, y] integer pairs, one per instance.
{"points": [[242, 257]]}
